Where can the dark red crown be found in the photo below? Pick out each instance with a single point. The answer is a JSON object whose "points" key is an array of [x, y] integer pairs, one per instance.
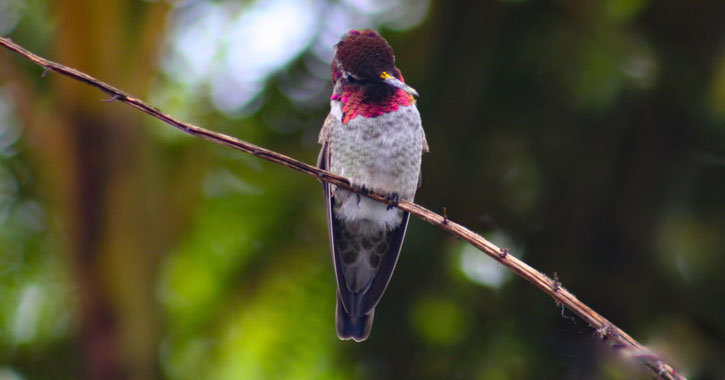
{"points": [[365, 54]]}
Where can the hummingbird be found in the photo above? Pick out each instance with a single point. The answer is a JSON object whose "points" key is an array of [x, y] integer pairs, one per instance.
{"points": [[373, 135]]}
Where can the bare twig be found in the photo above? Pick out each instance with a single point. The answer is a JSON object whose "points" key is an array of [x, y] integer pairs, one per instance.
{"points": [[606, 330]]}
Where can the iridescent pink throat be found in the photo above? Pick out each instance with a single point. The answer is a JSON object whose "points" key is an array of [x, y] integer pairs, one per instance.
{"points": [[353, 105]]}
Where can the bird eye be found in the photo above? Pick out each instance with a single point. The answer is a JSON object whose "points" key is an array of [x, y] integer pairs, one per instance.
{"points": [[351, 78]]}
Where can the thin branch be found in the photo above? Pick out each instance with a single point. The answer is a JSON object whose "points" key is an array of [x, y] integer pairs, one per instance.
{"points": [[604, 329]]}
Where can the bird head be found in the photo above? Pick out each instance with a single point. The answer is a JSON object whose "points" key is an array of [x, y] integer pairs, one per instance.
{"points": [[364, 61]]}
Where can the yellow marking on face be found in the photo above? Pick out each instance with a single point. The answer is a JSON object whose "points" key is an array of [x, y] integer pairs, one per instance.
{"points": [[385, 75]]}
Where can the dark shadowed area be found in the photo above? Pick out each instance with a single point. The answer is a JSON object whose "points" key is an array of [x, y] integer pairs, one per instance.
{"points": [[586, 136]]}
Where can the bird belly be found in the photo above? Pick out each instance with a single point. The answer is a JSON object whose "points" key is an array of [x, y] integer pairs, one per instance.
{"points": [[371, 215]]}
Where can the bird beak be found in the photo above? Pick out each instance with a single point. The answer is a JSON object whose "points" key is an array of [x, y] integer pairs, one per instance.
{"points": [[397, 83]]}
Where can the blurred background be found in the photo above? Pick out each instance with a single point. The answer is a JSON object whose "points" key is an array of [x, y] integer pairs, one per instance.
{"points": [[586, 136]]}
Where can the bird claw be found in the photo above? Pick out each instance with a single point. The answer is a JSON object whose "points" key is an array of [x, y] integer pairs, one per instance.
{"points": [[363, 189], [360, 189], [394, 198]]}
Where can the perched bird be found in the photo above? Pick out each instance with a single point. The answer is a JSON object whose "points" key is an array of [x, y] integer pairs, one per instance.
{"points": [[373, 136]]}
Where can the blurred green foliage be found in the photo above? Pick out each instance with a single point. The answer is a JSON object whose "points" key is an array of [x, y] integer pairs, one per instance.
{"points": [[587, 136]]}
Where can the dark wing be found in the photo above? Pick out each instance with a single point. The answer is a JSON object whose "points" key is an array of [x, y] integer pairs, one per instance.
{"points": [[323, 162], [359, 302], [363, 302]]}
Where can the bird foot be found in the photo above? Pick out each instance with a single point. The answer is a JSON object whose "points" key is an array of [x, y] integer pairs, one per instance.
{"points": [[362, 189], [394, 198]]}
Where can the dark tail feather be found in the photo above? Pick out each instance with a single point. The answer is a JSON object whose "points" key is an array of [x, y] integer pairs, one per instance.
{"points": [[349, 327]]}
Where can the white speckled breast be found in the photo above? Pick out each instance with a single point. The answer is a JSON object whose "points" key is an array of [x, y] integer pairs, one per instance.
{"points": [[382, 153]]}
